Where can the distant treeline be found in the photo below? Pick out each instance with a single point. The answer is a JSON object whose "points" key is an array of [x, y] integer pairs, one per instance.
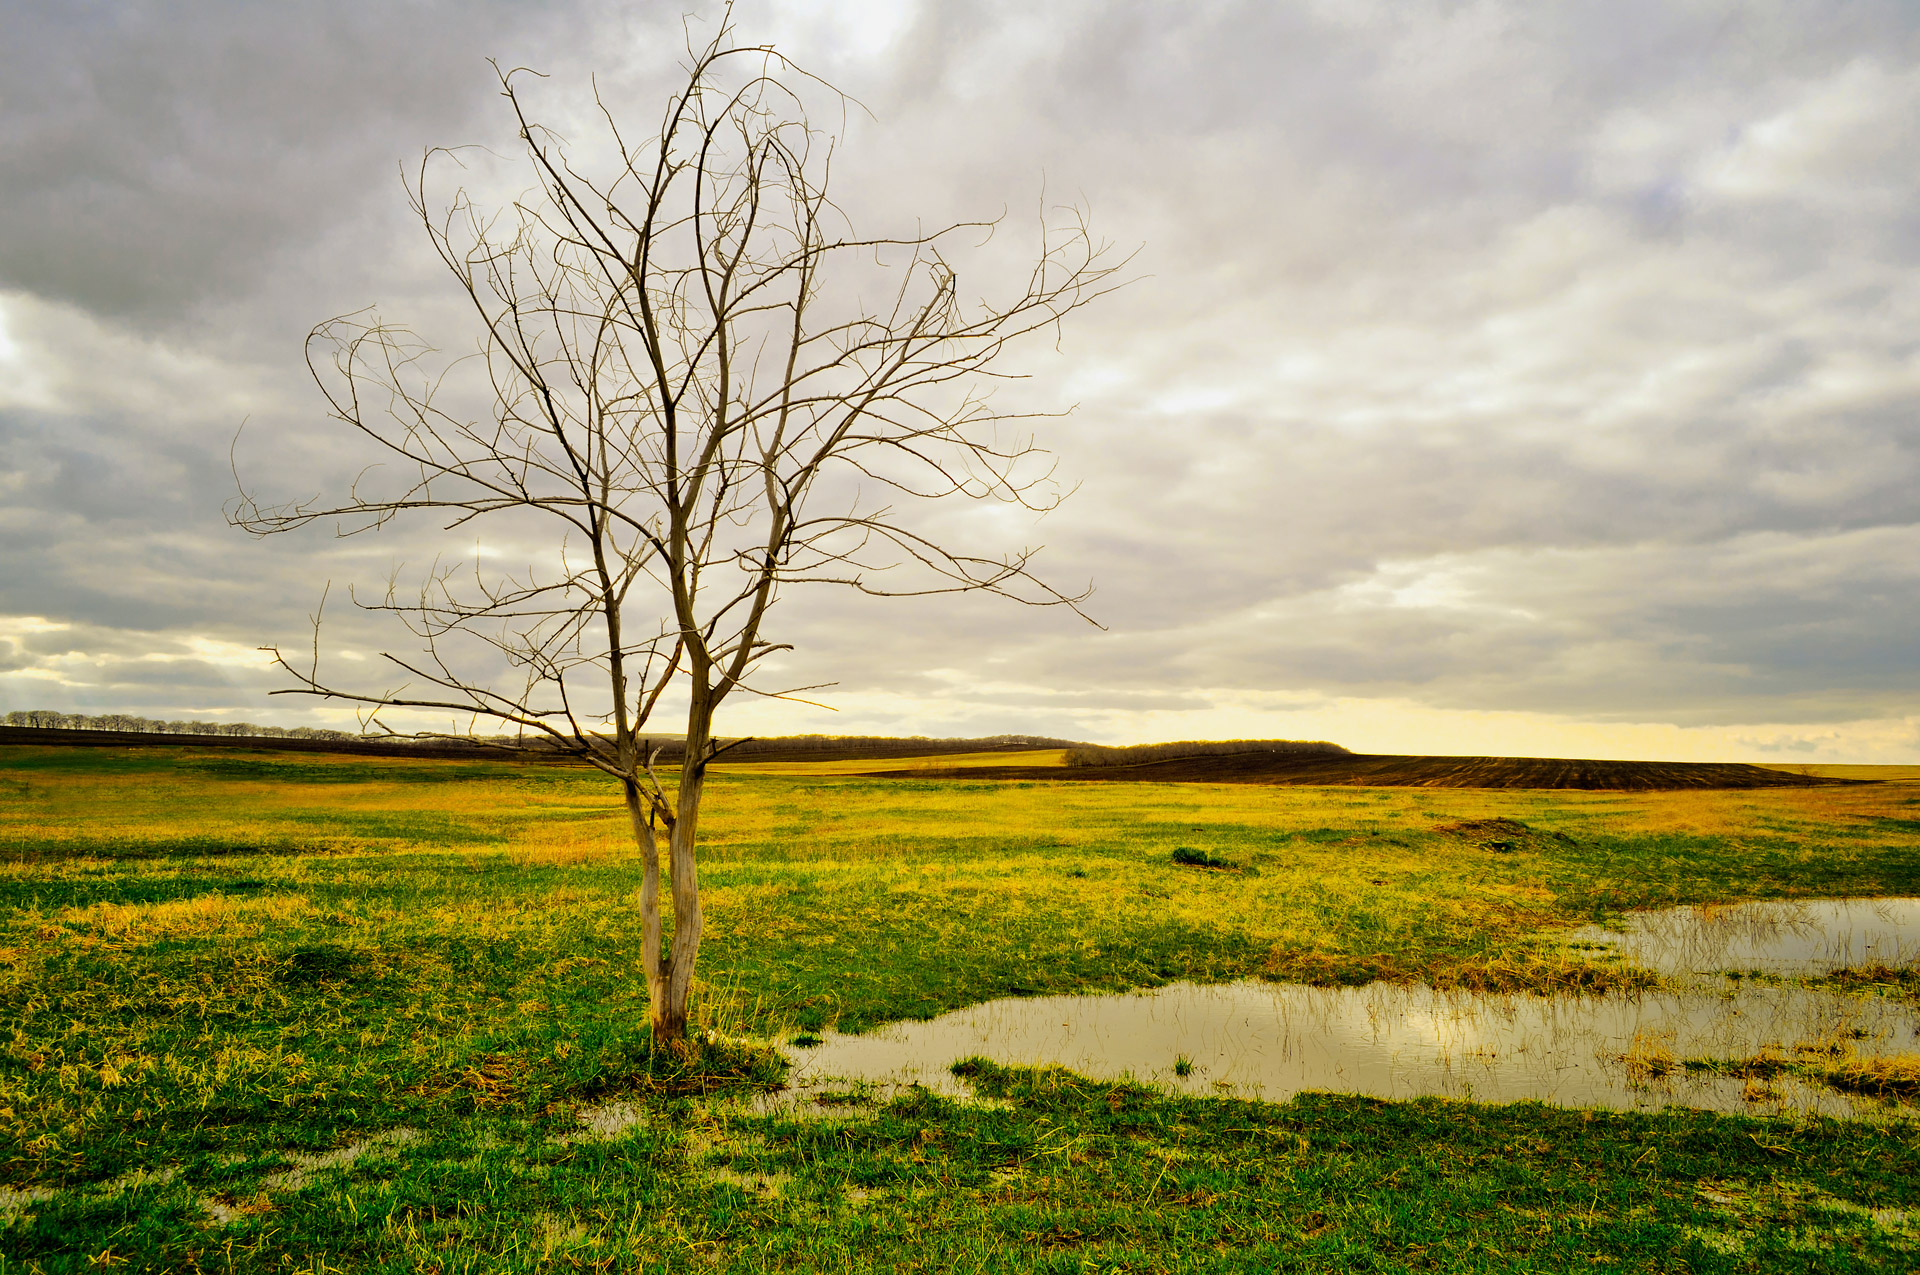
{"points": [[1099, 755], [49, 719], [670, 747]]}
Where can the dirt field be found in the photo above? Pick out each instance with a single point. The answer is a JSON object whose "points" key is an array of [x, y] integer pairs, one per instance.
{"points": [[802, 748], [1384, 771], [931, 759]]}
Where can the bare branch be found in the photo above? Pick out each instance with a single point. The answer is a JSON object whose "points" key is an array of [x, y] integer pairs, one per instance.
{"points": [[676, 384]]}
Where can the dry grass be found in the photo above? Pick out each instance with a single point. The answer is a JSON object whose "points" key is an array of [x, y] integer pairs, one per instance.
{"points": [[205, 916], [1841, 770], [1650, 1056], [1894, 1077], [1829, 1059]]}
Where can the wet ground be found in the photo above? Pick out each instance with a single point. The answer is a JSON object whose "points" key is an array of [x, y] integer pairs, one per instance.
{"points": [[1783, 937], [1272, 1040]]}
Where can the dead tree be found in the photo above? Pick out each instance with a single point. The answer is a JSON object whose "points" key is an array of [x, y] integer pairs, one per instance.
{"points": [[680, 393]]}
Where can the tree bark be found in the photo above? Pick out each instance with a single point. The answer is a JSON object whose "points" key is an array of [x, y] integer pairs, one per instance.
{"points": [[669, 1007], [650, 928]]}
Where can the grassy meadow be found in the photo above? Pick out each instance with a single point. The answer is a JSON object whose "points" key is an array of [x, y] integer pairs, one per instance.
{"points": [[312, 1012]]}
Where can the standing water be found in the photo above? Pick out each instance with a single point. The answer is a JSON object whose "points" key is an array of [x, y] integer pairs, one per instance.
{"points": [[1782, 937], [1272, 1040]]}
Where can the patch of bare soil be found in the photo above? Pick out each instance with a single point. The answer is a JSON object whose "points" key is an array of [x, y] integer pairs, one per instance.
{"points": [[1503, 835], [1389, 771]]}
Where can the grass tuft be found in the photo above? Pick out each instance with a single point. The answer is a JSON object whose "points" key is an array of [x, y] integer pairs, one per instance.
{"points": [[1187, 856], [1894, 1077]]}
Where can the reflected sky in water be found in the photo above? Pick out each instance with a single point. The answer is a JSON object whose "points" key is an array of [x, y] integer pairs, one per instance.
{"points": [[1784, 937], [1272, 1040]]}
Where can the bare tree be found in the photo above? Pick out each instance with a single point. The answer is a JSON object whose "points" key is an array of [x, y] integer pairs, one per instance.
{"points": [[681, 383]]}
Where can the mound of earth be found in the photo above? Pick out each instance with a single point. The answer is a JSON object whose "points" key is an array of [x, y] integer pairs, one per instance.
{"points": [[1502, 835], [1390, 771]]}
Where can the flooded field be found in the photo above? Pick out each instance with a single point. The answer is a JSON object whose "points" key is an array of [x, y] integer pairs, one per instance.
{"points": [[1780, 937], [1752, 1048]]}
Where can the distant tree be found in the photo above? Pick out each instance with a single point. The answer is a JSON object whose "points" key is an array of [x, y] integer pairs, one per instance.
{"points": [[686, 382]]}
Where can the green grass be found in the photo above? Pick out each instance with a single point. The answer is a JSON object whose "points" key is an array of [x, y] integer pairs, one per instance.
{"points": [[1061, 1174], [214, 963]]}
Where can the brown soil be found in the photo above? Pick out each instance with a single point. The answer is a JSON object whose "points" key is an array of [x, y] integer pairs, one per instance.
{"points": [[1313, 769], [1384, 771], [853, 748], [1502, 834]]}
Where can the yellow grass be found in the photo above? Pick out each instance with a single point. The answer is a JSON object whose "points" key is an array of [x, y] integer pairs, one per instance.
{"points": [[1836, 770], [1342, 873], [1649, 1056], [206, 915]]}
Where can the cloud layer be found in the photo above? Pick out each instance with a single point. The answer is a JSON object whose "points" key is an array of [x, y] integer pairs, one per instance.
{"points": [[1548, 365]]}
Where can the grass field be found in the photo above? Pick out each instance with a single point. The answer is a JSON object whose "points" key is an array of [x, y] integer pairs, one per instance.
{"points": [[357, 1008]]}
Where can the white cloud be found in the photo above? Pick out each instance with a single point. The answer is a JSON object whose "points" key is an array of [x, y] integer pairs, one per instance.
{"points": [[1842, 137], [24, 372], [1518, 374]]}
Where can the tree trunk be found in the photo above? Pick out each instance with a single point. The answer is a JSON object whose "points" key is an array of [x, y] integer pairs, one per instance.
{"points": [[669, 1007], [657, 992], [670, 975], [670, 1017]]}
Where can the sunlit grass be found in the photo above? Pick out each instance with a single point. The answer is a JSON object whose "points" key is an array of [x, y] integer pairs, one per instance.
{"points": [[1844, 770], [207, 956]]}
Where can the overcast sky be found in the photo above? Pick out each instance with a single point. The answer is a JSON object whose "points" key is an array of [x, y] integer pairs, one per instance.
{"points": [[1500, 377]]}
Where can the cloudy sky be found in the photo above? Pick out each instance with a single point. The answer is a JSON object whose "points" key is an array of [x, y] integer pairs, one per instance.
{"points": [[1499, 377]]}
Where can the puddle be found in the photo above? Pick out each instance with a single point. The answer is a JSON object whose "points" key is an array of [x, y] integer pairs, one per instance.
{"points": [[1784, 937], [1272, 1040]]}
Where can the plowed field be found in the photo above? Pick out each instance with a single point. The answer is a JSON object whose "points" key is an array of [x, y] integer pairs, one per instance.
{"points": [[1386, 771]]}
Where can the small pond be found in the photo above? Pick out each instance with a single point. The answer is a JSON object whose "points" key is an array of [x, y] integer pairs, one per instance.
{"points": [[1272, 1040]]}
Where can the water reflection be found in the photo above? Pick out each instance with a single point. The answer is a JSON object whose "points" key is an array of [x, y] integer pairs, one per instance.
{"points": [[1793, 937], [1270, 1041]]}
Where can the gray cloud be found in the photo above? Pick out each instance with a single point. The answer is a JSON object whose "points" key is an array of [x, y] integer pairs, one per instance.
{"points": [[154, 156], [1561, 358]]}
